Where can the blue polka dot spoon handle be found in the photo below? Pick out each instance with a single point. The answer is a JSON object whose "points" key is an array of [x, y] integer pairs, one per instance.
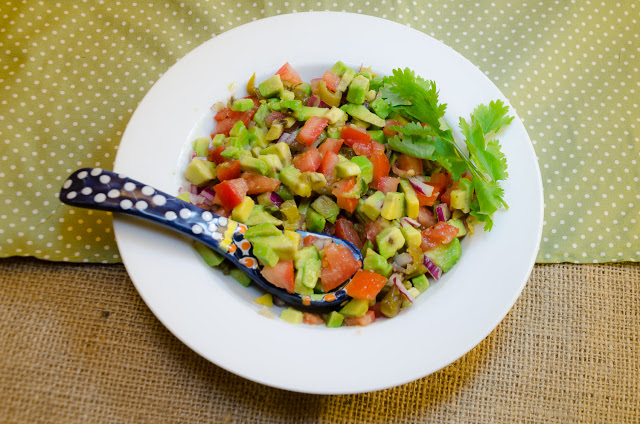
{"points": [[96, 188]]}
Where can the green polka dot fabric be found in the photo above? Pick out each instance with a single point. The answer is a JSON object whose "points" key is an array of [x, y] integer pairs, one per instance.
{"points": [[72, 73]]}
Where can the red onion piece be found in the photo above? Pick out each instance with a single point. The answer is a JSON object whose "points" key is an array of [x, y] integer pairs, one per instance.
{"points": [[422, 188], [321, 243], [401, 173], [276, 199], [193, 189], [323, 104], [313, 101], [398, 282], [287, 138], [196, 199], [410, 221], [443, 213], [434, 269], [208, 194]]}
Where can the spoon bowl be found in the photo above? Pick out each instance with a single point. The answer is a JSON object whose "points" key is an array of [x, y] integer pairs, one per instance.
{"points": [[96, 188]]}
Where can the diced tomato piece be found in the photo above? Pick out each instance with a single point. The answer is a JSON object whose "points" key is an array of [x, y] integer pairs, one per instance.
{"points": [[367, 319], [222, 211], [311, 130], [258, 184], [372, 229], [345, 231], [365, 285], [439, 181], [338, 265], [314, 85], [362, 148], [312, 319], [216, 201], [381, 166], [332, 80], [409, 163], [224, 126], [308, 241], [308, 161], [274, 116], [377, 147], [441, 233], [426, 218], [427, 200], [332, 144], [287, 73], [329, 162], [225, 113], [231, 192], [341, 188], [227, 118], [229, 170], [376, 310], [280, 275], [350, 134], [388, 132], [388, 184], [215, 154]]}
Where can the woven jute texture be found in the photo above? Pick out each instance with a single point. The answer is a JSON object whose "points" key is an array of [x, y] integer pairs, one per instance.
{"points": [[78, 345]]}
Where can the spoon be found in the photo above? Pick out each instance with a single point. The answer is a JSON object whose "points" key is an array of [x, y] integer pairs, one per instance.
{"points": [[95, 188]]}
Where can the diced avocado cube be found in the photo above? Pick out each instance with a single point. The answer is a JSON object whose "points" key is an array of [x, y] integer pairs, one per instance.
{"points": [[375, 83], [261, 113], [338, 68], [334, 131], [281, 150], [303, 206], [302, 90], [421, 283], [360, 123], [271, 87], [241, 212], [411, 199], [281, 244], [346, 79], [363, 114], [236, 129], [445, 255], [412, 236], [287, 95], [274, 164], [292, 316], [380, 107], [254, 165], [284, 193], [365, 72], [326, 207], [266, 255], [366, 167], [275, 131], [257, 137], [357, 90], [315, 221], [347, 169], [218, 140], [336, 115], [376, 263], [265, 300], [241, 105], [290, 212], [299, 286], [377, 135], [294, 238], [260, 216], [201, 146], [311, 273], [462, 196], [334, 319], [210, 257], [355, 308], [462, 231], [305, 254], [393, 206], [200, 171], [307, 112], [231, 152], [389, 241], [261, 230], [265, 200], [292, 178], [316, 180], [293, 105], [373, 205], [367, 246], [240, 277]]}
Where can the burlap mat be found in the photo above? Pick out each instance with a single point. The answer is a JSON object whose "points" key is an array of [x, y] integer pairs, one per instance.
{"points": [[78, 345]]}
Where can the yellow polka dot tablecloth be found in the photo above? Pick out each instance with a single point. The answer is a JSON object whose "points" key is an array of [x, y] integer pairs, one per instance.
{"points": [[72, 72]]}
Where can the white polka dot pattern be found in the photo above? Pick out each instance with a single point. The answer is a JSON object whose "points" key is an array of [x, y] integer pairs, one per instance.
{"points": [[71, 78]]}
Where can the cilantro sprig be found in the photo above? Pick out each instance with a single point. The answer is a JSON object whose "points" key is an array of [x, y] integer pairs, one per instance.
{"points": [[416, 99]]}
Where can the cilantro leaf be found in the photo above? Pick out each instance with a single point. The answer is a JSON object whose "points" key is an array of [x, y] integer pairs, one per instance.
{"points": [[493, 117], [488, 200], [489, 159], [449, 157], [412, 146], [414, 97]]}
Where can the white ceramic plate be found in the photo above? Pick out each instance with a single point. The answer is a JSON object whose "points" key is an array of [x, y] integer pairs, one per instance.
{"points": [[217, 318]]}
